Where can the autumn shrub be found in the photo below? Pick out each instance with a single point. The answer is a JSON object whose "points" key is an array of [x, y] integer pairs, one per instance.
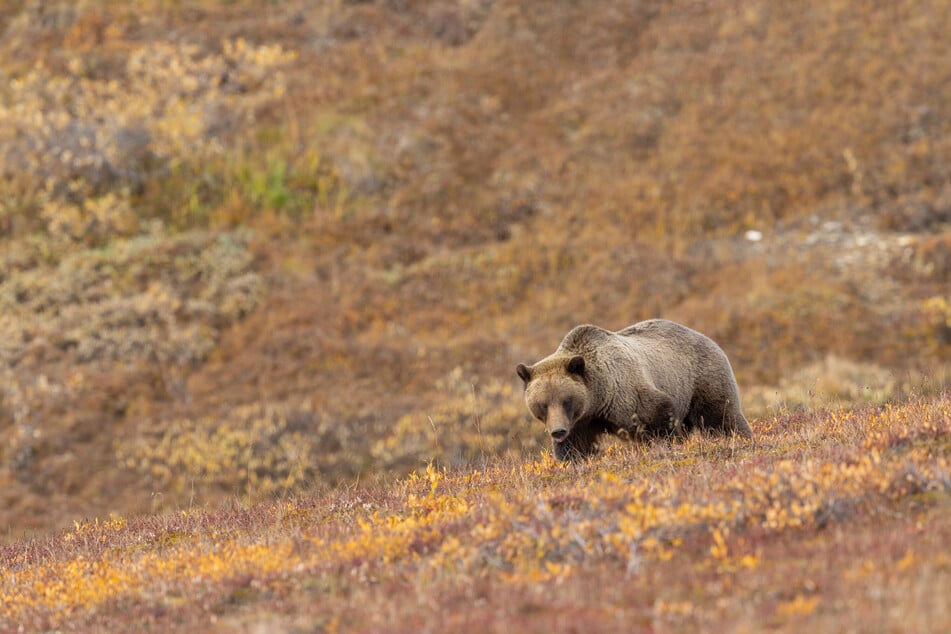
{"points": [[70, 136], [831, 382], [250, 450], [471, 422], [159, 295], [151, 301]]}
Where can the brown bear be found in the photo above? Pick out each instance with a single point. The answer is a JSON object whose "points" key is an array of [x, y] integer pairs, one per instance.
{"points": [[653, 379]]}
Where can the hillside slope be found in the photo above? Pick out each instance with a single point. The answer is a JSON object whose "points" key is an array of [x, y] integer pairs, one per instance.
{"points": [[826, 522], [253, 248]]}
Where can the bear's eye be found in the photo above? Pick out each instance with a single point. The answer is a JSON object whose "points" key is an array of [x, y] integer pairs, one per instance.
{"points": [[541, 411], [567, 405]]}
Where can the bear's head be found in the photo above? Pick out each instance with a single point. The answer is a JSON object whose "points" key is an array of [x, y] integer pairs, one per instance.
{"points": [[555, 393]]}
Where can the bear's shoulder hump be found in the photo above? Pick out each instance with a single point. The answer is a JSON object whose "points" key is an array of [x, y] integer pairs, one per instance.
{"points": [[584, 336]]}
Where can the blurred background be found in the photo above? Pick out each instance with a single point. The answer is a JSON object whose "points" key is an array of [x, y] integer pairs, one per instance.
{"points": [[249, 247]]}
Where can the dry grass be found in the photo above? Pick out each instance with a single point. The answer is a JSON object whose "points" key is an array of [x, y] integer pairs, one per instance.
{"points": [[826, 522]]}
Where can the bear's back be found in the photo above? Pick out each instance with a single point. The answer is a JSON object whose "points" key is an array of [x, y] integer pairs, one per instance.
{"points": [[659, 346], [653, 334], [661, 333]]}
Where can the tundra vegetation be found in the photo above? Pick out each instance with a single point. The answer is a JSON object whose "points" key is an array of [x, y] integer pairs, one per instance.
{"points": [[834, 521], [266, 269]]}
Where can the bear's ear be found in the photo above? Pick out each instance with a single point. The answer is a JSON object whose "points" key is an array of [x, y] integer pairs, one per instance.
{"points": [[524, 372], [576, 365]]}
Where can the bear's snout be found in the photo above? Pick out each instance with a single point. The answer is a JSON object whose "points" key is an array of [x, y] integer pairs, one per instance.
{"points": [[559, 434]]}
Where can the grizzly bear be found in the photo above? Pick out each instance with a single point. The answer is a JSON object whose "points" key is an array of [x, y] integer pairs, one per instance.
{"points": [[650, 380]]}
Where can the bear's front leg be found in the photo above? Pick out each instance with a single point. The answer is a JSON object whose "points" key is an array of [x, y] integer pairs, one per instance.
{"points": [[580, 444], [636, 430], [656, 416]]}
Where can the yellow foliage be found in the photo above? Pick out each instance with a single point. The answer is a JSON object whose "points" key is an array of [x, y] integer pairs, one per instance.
{"points": [[528, 524], [798, 606]]}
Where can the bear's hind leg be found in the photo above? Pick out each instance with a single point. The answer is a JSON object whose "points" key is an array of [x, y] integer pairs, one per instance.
{"points": [[723, 418], [741, 426]]}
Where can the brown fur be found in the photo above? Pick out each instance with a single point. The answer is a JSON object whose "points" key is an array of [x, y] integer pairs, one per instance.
{"points": [[653, 379]]}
